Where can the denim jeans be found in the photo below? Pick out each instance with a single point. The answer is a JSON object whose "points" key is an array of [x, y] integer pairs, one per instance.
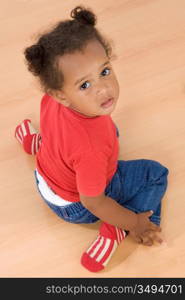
{"points": [[138, 185]]}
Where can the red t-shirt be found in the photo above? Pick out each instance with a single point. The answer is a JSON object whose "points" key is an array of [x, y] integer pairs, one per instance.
{"points": [[78, 154]]}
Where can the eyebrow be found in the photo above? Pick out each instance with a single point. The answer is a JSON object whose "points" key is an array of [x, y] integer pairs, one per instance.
{"points": [[84, 77]]}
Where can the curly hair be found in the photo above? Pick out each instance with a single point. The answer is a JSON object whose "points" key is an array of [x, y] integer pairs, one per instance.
{"points": [[66, 37]]}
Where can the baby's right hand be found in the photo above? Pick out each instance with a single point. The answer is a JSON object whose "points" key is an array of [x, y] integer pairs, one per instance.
{"points": [[145, 231]]}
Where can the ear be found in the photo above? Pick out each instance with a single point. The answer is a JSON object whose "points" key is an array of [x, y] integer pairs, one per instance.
{"points": [[60, 97]]}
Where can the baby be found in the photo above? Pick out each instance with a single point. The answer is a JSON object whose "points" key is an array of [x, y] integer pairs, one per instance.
{"points": [[78, 173]]}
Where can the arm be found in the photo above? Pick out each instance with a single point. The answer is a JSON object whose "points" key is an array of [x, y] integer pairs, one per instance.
{"points": [[109, 211]]}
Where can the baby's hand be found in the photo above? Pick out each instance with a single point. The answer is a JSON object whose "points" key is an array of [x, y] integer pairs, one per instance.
{"points": [[145, 231], [149, 238]]}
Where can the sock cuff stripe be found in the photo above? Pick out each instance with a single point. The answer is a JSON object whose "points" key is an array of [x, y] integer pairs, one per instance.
{"points": [[108, 257], [118, 234], [124, 233], [33, 145], [101, 249], [121, 234], [23, 129], [104, 250], [18, 137], [98, 245], [19, 130], [93, 244], [36, 143], [29, 127]]}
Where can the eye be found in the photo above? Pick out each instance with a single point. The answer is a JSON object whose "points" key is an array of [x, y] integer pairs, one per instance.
{"points": [[85, 85], [106, 72]]}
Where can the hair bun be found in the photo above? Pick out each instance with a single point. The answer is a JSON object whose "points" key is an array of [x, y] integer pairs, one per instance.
{"points": [[34, 52], [35, 58], [84, 16]]}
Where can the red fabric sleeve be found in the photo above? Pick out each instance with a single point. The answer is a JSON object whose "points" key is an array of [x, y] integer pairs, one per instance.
{"points": [[91, 173]]}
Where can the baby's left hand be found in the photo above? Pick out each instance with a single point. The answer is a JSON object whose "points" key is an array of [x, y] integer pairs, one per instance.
{"points": [[149, 237]]}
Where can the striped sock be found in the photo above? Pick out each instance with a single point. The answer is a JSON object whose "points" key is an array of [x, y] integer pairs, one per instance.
{"points": [[28, 137], [96, 257]]}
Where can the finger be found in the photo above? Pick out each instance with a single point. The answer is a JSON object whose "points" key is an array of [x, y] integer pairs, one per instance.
{"points": [[147, 241], [154, 237], [157, 239], [149, 213], [138, 239], [155, 227]]}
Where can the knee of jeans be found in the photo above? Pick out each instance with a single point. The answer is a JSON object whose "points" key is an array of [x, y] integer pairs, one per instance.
{"points": [[158, 172]]}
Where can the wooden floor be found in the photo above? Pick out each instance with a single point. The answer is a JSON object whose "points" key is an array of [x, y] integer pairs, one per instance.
{"points": [[149, 41]]}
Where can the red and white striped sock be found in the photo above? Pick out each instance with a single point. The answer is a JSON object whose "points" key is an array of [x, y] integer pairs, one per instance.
{"points": [[28, 137], [96, 257]]}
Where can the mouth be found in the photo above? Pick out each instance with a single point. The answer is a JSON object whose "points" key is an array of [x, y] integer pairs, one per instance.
{"points": [[107, 103]]}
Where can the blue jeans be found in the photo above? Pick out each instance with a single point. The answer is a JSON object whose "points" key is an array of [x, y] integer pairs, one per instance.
{"points": [[138, 185]]}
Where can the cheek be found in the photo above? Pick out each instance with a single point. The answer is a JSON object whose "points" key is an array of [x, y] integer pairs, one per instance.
{"points": [[115, 86], [84, 99]]}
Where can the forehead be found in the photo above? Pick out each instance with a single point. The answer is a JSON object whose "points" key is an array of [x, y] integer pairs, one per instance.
{"points": [[82, 63]]}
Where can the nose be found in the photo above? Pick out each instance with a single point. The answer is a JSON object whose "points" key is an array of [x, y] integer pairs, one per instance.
{"points": [[102, 89]]}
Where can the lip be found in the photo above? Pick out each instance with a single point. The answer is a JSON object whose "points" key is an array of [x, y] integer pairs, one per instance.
{"points": [[107, 103]]}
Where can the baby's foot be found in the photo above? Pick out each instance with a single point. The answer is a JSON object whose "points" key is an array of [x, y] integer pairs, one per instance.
{"points": [[26, 134]]}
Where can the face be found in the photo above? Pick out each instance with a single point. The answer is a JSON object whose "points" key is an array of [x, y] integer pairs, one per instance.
{"points": [[90, 85]]}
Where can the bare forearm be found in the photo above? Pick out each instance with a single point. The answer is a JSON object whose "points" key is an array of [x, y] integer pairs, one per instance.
{"points": [[108, 210]]}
